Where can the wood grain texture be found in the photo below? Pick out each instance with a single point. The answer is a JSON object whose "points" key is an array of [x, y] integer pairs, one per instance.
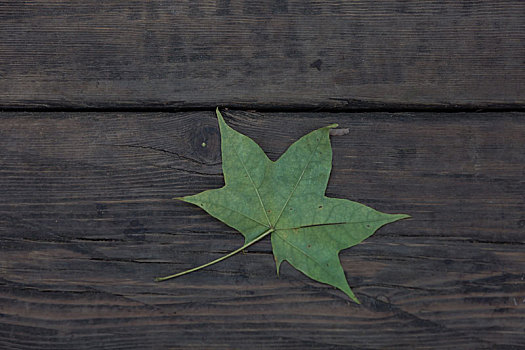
{"points": [[262, 54], [87, 222]]}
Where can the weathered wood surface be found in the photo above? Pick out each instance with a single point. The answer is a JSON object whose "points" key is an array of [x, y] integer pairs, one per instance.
{"points": [[87, 222], [264, 54]]}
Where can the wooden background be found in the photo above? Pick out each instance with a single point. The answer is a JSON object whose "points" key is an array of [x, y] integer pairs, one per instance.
{"points": [[104, 110]]}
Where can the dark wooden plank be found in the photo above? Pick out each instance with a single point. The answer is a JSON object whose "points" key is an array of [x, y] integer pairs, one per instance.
{"points": [[87, 221], [262, 54]]}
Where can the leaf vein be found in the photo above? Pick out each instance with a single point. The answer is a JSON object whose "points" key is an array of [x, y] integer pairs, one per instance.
{"points": [[238, 212], [254, 187], [298, 180], [328, 271], [328, 224]]}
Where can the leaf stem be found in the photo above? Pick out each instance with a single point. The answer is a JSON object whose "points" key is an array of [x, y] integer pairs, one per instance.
{"points": [[266, 233]]}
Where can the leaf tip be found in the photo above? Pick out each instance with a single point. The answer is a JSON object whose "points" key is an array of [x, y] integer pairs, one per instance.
{"points": [[397, 217], [180, 198], [332, 126], [219, 115], [351, 294], [277, 267], [403, 216], [222, 122]]}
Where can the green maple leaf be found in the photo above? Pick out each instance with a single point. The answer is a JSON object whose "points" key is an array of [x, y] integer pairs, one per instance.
{"points": [[285, 199]]}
